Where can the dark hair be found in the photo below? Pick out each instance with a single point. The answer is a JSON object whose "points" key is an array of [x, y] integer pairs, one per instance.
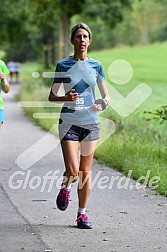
{"points": [[80, 26]]}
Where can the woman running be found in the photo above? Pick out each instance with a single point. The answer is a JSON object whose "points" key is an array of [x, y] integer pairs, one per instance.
{"points": [[4, 86], [79, 122]]}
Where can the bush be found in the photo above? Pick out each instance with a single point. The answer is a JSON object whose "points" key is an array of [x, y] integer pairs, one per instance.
{"points": [[160, 34], [159, 114]]}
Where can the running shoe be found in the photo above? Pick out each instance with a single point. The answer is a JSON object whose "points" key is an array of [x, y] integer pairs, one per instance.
{"points": [[82, 222], [62, 200]]}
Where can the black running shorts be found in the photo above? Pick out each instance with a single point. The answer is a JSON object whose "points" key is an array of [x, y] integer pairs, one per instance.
{"points": [[89, 132]]}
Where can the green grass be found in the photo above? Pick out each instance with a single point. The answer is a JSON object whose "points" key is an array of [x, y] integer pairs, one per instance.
{"points": [[137, 144]]}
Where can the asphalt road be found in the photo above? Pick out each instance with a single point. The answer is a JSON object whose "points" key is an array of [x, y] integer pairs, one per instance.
{"points": [[126, 218]]}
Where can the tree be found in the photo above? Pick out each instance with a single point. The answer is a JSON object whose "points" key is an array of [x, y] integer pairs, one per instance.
{"points": [[13, 21], [110, 11], [68, 8], [19, 33], [102, 17], [45, 14], [43, 26], [53, 18], [146, 18]]}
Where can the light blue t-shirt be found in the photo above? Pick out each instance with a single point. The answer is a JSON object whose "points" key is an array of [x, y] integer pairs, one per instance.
{"points": [[83, 76]]}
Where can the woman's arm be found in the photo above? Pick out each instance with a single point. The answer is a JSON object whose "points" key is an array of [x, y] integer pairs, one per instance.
{"points": [[104, 92], [5, 83], [102, 103], [53, 97]]}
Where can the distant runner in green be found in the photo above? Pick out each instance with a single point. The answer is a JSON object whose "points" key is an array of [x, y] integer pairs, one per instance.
{"points": [[4, 86]]}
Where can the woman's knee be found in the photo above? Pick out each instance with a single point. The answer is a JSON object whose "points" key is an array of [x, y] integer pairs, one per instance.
{"points": [[71, 176]]}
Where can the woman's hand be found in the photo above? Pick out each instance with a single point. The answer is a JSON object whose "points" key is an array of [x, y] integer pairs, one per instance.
{"points": [[5, 83], [72, 95], [100, 104], [96, 107]]}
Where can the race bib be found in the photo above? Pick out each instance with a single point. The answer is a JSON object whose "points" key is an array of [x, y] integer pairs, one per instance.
{"points": [[84, 100]]}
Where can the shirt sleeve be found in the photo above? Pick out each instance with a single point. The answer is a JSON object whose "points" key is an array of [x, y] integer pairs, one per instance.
{"points": [[5, 69], [100, 74], [57, 77]]}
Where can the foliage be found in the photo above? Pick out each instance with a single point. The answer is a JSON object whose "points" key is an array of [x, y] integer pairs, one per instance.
{"points": [[146, 17], [12, 17], [110, 11], [159, 114], [160, 34], [40, 28], [17, 32]]}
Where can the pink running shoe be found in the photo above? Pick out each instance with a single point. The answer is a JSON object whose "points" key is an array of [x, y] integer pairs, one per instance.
{"points": [[62, 200], [82, 222]]}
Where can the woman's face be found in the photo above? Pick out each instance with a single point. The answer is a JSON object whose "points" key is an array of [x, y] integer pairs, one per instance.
{"points": [[81, 40]]}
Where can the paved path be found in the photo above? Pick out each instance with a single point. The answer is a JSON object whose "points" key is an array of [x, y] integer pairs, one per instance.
{"points": [[124, 220]]}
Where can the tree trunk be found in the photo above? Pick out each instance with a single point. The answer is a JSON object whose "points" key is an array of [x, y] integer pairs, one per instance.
{"points": [[46, 57], [53, 53], [145, 34], [64, 32]]}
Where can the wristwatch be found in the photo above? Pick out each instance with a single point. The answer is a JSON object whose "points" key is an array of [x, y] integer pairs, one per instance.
{"points": [[106, 102]]}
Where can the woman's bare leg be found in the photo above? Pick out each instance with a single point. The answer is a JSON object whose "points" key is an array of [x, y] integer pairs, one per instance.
{"points": [[86, 158], [70, 154]]}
